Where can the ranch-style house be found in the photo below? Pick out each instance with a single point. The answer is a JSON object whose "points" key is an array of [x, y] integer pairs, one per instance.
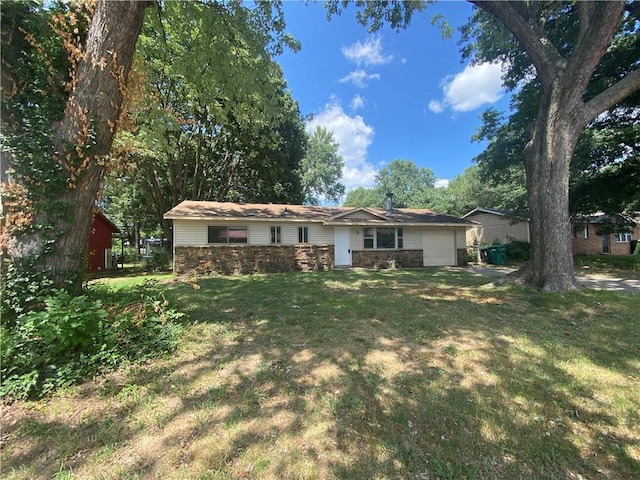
{"points": [[250, 238]]}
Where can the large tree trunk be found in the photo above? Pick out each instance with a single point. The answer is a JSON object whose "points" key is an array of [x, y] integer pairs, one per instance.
{"points": [[547, 158], [85, 135], [561, 117]]}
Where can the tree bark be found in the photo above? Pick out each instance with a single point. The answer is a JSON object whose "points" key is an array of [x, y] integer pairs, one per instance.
{"points": [[84, 137], [547, 158]]}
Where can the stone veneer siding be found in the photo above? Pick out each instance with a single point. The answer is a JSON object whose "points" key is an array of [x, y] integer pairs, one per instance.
{"points": [[228, 259], [463, 257], [387, 258]]}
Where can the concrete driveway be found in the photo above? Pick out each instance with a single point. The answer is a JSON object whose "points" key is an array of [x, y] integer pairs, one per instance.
{"points": [[586, 280]]}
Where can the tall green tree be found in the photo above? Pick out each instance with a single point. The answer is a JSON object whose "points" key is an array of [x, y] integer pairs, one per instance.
{"points": [[604, 171], [564, 43], [559, 46], [61, 108], [364, 197], [412, 187], [473, 189], [409, 183], [65, 78], [205, 132], [321, 168]]}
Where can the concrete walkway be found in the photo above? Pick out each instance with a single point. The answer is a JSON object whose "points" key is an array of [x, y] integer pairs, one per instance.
{"points": [[594, 281]]}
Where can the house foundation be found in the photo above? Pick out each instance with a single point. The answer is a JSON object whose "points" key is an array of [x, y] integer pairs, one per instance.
{"points": [[244, 259]]}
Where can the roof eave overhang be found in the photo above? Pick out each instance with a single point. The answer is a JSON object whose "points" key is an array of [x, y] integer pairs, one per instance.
{"points": [[328, 222], [396, 224], [214, 218]]}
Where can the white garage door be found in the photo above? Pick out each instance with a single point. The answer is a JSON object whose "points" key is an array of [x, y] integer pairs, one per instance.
{"points": [[439, 248]]}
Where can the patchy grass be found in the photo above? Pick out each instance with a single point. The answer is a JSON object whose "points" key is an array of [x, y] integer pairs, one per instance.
{"points": [[624, 265], [357, 375]]}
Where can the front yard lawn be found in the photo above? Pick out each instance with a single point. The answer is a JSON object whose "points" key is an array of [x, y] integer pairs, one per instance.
{"points": [[407, 374]]}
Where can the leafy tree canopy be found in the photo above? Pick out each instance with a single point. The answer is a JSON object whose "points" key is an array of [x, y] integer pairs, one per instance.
{"points": [[364, 197], [216, 121], [321, 168], [412, 187], [604, 169]]}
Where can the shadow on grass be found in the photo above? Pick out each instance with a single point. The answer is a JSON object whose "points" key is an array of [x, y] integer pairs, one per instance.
{"points": [[403, 374]]}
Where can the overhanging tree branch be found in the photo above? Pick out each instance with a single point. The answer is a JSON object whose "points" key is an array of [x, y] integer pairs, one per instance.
{"points": [[611, 96], [598, 23], [526, 30]]}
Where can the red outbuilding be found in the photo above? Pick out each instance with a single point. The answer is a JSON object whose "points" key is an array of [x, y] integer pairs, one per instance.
{"points": [[100, 254]]}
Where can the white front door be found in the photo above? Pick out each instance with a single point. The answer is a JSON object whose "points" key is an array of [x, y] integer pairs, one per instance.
{"points": [[342, 238]]}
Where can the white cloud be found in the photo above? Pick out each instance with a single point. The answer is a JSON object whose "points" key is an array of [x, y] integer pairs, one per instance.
{"points": [[442, 183], [368, 52], [436, 107], [359, 78], [476, 85], [357, 102], [354, 137]]}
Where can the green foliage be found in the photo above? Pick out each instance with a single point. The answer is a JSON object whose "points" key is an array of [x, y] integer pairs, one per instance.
{"points": [[321, 168], [475, 188], [605, 164], [412, 187], [72, 337], [21, 286], [214, 120], [364, 197], [35, 70], [409, 183], [374, 15], [36, 74], [158, 261], [518, 250]]}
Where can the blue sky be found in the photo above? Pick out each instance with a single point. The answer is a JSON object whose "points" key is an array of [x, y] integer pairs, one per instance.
{"points": [[390, 95]]}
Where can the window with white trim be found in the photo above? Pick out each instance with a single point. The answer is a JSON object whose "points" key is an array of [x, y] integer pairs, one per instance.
{"points": [[226, 234], [276, 235], [624, 237], [303, 234], [585, 233], [382, 237]]}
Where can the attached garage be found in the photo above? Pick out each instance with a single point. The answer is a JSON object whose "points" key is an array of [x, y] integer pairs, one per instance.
{"points": [[439, 247]]}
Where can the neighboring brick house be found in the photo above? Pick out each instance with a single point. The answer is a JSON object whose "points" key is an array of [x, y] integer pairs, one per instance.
{"points": [[490, 225], [247, 238], [589, 237], [100, 238]]}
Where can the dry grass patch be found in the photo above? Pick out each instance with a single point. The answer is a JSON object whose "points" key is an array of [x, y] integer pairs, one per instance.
{"points": [[357, 375]]}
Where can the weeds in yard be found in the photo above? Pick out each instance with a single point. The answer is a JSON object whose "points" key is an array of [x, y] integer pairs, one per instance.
{"points": [[356, 375], [74, 337]]}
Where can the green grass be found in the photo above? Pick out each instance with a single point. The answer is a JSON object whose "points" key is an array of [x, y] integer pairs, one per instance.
{"points": [[608, 263], [357, 375]]}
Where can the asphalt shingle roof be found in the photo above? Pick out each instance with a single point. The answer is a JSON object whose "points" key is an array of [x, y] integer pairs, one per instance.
{"points": [[332, 215]]}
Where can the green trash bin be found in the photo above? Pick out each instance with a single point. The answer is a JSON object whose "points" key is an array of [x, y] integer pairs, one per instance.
{"points": [[498, 254]]}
